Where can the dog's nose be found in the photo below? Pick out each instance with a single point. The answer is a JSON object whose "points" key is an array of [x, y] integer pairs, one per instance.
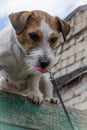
{"points": [[44, 62]]}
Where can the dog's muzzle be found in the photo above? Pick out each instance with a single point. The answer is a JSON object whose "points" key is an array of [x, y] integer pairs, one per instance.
{"points": [[44, 63]]}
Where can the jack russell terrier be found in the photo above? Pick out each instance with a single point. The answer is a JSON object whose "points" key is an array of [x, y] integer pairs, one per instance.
{"points": [[26, 53]]}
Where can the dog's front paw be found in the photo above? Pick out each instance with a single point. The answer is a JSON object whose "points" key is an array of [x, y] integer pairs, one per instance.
{"points": [[37, 98], [51, 100]]}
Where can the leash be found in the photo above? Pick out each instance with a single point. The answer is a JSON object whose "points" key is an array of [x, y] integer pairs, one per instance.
{"points": [[61, 101]]}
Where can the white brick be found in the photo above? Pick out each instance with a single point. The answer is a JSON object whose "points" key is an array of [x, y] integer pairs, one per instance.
{"points": [[79, 27], [64, 55], [58, 50], [78, 17], [74, 66], [72, 41], [72, 22], [66, 46], [71, 51], [71, 60], [81, 106], [85, 53], [70, 34], [53, 70], [64, 63], [56, 60], [83, 24], [81, 89], [68, 53], [80, 46], [85, 38], [78, 99], [85, 61], [81, 38], [68, 95], [63, 71], [84, 33], [84, 14], [79, 55], [57, 74], [58, 66]]}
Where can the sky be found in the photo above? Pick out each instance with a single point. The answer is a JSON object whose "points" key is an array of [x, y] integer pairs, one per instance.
{"points": [[59, 8]]}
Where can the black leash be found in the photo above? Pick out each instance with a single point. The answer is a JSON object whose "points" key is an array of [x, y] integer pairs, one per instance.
{"points": [[61, 101]]}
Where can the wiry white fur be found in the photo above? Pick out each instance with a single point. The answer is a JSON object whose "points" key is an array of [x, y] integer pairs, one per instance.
{"points": [[46, 29], [19, 66]]}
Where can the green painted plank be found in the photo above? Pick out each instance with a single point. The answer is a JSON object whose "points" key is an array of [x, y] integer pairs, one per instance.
{"points": [[17, 112], [10, 127]]}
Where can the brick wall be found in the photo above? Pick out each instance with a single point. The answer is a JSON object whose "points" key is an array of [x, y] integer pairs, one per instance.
{"points": [[74, 94], [73, 53]]}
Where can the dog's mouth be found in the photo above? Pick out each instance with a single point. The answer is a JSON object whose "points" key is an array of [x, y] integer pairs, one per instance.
{"points": [[41, 70]]}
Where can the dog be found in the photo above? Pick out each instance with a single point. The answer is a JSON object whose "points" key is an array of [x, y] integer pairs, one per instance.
{"points": [[26, 53]]}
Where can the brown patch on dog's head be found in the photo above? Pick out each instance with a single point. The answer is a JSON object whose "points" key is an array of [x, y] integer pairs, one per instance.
{"points": [[18, 20], [27, 27]]}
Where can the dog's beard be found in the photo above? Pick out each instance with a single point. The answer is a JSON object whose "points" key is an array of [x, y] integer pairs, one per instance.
{"points": [[32, 60]]}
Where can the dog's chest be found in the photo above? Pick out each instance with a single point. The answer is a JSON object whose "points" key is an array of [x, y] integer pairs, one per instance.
{"points": [[18, 71]]}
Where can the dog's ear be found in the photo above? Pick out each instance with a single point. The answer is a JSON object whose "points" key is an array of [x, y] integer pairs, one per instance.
{"points": [[19, 20], [63, 27]]}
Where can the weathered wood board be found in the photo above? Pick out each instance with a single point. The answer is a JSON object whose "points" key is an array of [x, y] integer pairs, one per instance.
{"points": [[18, 113]]}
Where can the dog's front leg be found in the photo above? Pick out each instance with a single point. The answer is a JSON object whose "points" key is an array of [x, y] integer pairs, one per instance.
{"points": [[46, 88], [33, 91]]}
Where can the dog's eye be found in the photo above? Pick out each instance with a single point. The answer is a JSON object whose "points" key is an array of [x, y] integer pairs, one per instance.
{"points": [[53, 40], [34, 37]]}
